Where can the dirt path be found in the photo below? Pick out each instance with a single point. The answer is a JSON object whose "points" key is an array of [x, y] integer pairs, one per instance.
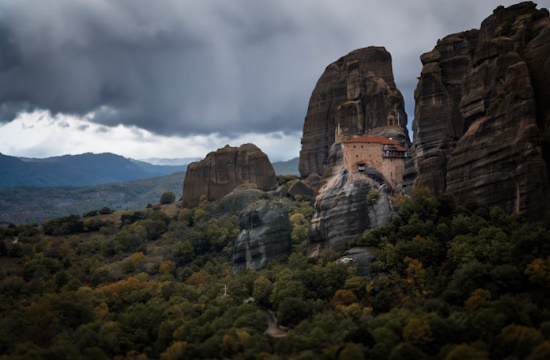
{"points": [[273, 329]]}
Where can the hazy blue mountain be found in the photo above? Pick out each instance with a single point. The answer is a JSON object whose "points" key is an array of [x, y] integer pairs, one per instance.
{"points": [[77, 170], [169, 161], [159, 170], [286, 167], [16, 172]]}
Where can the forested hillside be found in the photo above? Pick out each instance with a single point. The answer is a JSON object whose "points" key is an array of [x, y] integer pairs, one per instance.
{"points": [[22, 205], [447, 282]]}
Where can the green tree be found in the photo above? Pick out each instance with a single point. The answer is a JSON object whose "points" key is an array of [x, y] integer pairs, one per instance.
{"points": [[262, 290], [167, 197], [292, 311], [372, 197], [105, 210]]}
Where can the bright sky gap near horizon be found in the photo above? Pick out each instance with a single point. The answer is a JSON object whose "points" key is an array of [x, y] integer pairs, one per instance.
{"points": [[177, 79]]}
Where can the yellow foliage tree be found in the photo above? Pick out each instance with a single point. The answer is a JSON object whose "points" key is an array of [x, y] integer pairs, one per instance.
{"points": [[465, 351], [416, 276], [343, 298], [538, 271], [417, 332], [478, 299]]}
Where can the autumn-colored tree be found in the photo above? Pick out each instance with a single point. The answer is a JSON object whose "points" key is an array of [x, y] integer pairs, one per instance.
{"points": [[479, 298], [538, 271], [415, 277], [417, 332], [343, 298], [465, 351]]}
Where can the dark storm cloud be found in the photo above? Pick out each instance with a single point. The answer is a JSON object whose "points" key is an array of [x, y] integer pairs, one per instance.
{"points": [[187, 67]]}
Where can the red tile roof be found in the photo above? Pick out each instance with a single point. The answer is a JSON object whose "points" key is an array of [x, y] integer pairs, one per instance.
{"points": [[375, 139]]}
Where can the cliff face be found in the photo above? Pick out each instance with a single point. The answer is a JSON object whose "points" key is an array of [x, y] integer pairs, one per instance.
{"points": [[341, 210], [359, 93], [482, 114], [225, 169], [264, 237]]}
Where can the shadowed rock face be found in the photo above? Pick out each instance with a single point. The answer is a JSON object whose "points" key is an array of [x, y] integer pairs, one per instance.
{"points": [[482, 115], [358, 92], [341, 209], [264, 237], [225, 169]]}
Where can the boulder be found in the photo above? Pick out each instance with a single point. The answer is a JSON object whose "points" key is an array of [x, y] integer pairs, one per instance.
{"points": [[312, 181], [359, 93], [264, 235], [359, 258], [223, 170], [300, 188], [482, 115], [237, 200]]}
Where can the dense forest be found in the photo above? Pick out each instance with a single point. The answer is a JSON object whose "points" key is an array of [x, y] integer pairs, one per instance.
{"points": [[447, 282]]}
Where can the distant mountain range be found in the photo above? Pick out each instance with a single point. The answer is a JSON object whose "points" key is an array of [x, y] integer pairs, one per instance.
{"points": [[77, 170], [32, 190], [93, 169], [286, 167]]}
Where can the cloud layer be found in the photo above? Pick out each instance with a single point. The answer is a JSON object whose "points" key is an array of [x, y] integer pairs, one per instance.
{"points": [[180, 67]]}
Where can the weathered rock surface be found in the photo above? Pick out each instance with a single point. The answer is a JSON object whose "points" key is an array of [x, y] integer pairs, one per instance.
{"points": [[359, 258], [264, 237], [341, 209], [312, 181], [482, 116], [300, 188], [237, 200], [223, 170], [359, 93]]}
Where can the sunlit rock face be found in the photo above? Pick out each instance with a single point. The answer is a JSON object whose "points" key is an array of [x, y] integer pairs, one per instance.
{"points": [[481, 127], [264, 236], [223, 170], [357, 92]]}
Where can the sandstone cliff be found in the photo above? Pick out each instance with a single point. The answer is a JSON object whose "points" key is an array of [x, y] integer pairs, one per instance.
{"points": [[359, 93], [225, 169], [264, 237], [482, 115], [341, 210]]}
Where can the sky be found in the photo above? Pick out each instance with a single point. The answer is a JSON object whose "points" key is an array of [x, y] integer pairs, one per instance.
{"points": [[179, 78]]}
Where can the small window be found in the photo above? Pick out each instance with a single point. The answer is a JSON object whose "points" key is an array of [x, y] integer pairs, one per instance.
{"points": [[354, 146], [361, 146], [356, 156]]}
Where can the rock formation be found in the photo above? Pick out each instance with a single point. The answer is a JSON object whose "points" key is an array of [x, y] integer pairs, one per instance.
{"points": [[237, 200], [482, 115], [341, 210], [264, 237], [359, 258], [300, 188], [225, 169], [359, 93]]}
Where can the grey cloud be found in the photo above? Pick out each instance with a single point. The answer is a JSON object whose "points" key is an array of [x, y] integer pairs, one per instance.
{"points": [[189, 67]]}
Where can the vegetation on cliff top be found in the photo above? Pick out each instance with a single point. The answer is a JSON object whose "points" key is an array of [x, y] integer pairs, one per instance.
{"points": [[448, 282]]}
